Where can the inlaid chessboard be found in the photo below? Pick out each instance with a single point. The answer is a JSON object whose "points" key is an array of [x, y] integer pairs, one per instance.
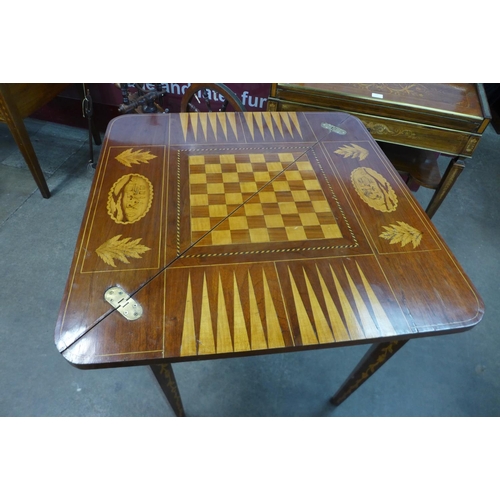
{"points": [[257, 198], [252, 232]]}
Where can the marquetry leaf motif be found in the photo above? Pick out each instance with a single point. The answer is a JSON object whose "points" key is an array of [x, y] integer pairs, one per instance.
{"points": [[118, 249], [402, 233], [129, 157], [352, 151]]}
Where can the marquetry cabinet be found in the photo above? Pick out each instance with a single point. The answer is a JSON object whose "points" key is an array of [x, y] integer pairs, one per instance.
{"points": [[413, 122]]}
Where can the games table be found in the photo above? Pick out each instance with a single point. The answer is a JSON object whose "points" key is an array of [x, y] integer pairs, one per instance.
{"points": [[211, 235]]}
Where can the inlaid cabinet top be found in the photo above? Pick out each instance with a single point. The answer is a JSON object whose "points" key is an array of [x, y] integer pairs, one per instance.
{"points": [[220, 234], [455, 98]]}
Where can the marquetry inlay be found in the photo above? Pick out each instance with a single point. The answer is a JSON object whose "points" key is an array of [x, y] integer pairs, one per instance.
{"points": [[222, 126], [251, 198], [242, 310], [252, 233]]}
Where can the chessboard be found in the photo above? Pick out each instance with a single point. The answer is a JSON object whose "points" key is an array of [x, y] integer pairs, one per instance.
{"points": [[256, 198]]}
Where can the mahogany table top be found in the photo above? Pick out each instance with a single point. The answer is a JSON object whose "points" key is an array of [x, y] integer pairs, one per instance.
{"points": [[238, 233]]}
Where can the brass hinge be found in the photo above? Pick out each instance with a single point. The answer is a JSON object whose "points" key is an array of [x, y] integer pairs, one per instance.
{"points": [[333, 128], [123, 303]]}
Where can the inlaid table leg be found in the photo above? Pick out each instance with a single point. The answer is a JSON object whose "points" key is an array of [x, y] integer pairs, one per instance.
{"points": [[165, 376], [450, 176], [376, 356]]}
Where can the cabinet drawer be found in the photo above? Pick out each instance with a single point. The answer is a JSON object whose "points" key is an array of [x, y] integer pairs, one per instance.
{"points": [[450, 115], [407, 133]]}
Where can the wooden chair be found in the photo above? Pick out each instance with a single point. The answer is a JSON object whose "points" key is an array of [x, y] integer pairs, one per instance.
{"points": [[210, 98], [199, 97], [17, 101]]}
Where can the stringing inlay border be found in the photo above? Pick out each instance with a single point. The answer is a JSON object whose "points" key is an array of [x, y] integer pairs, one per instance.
{"points": [[355, 243]]}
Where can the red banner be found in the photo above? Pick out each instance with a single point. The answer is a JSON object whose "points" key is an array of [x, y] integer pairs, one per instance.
{"points": [[107, 97], [253, 95]]}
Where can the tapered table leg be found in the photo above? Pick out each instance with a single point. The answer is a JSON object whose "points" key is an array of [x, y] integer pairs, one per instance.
{"points": [[454, 169], [10, 114], [376, 356], [165, 376]]}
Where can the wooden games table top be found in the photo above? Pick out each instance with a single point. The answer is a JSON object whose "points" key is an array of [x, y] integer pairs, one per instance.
{"points": [[248, 233]]}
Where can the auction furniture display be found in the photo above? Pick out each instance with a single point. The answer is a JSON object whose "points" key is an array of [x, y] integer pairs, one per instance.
{"points": [[213, 235]]}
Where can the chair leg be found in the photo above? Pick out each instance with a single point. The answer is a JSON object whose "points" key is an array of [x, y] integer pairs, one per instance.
{"points": [[10, 114], [95, 133], [89, 112]]}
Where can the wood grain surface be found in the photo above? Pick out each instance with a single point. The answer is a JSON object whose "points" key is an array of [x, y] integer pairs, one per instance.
{"points": [[452, 98], [242, 233]]}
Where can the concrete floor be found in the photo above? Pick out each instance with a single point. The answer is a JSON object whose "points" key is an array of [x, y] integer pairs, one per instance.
{"points": [[455, 375]]}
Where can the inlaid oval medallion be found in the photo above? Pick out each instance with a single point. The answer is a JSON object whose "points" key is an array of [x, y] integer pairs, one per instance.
{"points": [[130, 198], [374, 190]]}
